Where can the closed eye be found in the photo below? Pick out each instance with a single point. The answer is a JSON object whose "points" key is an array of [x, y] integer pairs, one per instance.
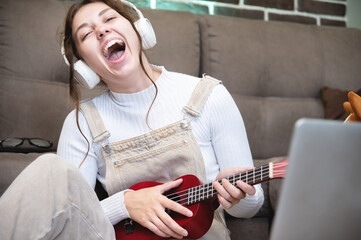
{"points": [[109, 19], [85, 36]]}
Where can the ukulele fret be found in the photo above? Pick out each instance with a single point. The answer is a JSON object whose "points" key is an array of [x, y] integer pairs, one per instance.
{"points": [[206, 190], [200, 193], [196, 189], [190, 196], [254, 175], [270, 166], [196, 193], [232, 179]]}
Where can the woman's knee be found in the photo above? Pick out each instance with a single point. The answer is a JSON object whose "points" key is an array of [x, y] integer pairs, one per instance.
{"points": [[52, 161]]}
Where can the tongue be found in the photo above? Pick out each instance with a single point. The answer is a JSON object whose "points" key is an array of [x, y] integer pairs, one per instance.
{"points": [[115, 55]]}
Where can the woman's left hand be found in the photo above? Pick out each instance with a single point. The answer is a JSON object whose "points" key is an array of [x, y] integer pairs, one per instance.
{"points": [[229, 195]]}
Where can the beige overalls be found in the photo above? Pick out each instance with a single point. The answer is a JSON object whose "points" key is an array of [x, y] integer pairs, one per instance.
{"points": [[161, 155]]}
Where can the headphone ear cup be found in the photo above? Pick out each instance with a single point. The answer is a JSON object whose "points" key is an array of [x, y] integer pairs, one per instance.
{"points": [[84, 75], [146, 31]]}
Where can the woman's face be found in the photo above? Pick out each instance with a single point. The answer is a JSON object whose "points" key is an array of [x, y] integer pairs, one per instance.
{"points": [[107, 42]]}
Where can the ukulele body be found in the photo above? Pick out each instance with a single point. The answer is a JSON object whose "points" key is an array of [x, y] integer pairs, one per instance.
{"points": [[197, 225]]}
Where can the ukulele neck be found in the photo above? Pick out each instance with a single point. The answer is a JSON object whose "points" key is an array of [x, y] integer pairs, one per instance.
{"points": [[251, 177]]}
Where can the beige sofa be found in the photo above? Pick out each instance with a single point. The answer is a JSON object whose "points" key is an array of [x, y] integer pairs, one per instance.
{"points": [[273, 70]]}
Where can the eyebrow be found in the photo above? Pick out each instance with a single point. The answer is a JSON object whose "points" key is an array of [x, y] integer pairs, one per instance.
{"points": [[87, 24]]}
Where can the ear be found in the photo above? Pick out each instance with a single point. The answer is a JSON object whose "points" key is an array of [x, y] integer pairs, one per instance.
{"points": [[355, 102]]}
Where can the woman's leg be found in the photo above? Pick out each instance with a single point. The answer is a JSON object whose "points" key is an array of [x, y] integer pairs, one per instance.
{"points": [[50, 199]]}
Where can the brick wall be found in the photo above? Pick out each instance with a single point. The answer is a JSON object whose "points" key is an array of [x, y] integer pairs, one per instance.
{"points": [[317, 12]]}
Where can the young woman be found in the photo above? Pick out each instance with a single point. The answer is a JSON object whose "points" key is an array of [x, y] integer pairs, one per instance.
{"points": [[152, 125]]}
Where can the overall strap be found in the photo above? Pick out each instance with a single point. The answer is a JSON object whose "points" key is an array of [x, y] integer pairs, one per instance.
{"points": [[94, 120], [200, 95]]}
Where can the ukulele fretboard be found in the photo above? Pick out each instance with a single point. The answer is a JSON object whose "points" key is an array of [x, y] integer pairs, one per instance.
{"points": [[251, 177]]}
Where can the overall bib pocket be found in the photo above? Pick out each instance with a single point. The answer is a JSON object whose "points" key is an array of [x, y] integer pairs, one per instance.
{"points": [[162, 164]]}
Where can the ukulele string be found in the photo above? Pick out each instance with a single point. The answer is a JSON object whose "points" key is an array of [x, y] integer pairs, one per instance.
{"points": [[198, 194], [280, 165], [258, 175]]}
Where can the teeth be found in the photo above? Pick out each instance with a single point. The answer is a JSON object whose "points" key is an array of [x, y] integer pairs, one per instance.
{"points": [[109, 44]]}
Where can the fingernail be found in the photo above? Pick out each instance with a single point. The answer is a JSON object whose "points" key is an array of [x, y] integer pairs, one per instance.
{"points": [[185, 233], [189, 213]]}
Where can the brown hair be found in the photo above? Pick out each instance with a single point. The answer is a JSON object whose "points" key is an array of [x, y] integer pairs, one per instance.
{"points": [[70, 51]]}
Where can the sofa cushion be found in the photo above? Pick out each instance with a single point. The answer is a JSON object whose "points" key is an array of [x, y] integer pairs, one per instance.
{"points": [[266, 57], [269, 121], [279, 59], [11, 165], [275, 188], [178, 40], [248, 229], [30, 40]]}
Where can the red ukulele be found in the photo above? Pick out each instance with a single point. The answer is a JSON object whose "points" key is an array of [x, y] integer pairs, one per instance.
{"points": [[200, 199]]}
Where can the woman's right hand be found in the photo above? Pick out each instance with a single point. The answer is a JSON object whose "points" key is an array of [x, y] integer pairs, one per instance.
{"points": [[147, 207]]}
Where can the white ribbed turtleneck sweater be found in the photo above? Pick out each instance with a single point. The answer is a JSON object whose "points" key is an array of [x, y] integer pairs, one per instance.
{"points": [[219, 131]]}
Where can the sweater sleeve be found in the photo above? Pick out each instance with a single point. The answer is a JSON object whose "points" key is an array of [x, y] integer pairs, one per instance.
{"points": [[230, 144], [73, 147]]}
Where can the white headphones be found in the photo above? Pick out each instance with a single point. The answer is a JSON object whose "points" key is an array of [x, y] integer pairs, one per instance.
{"points": [[86, 77]]}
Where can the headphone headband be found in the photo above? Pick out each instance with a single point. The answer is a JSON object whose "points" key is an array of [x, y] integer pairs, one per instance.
{"points": [[130, 4]]}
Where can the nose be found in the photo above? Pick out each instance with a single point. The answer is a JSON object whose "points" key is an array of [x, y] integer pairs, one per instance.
{"points": [[102, 31]]}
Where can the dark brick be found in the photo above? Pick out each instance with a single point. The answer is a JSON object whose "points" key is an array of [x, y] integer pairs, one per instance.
{"points": [[225, 1], [328, 22], [280, 4], [292, 18], [243, 13], [313, 6]]}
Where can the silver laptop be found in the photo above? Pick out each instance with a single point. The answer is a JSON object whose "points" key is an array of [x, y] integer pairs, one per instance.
{"points": [[321, 193]]}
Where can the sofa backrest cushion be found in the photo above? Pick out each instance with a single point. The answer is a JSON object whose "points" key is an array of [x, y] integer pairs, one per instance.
{"points": [[178, 40], [275, 72]]}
